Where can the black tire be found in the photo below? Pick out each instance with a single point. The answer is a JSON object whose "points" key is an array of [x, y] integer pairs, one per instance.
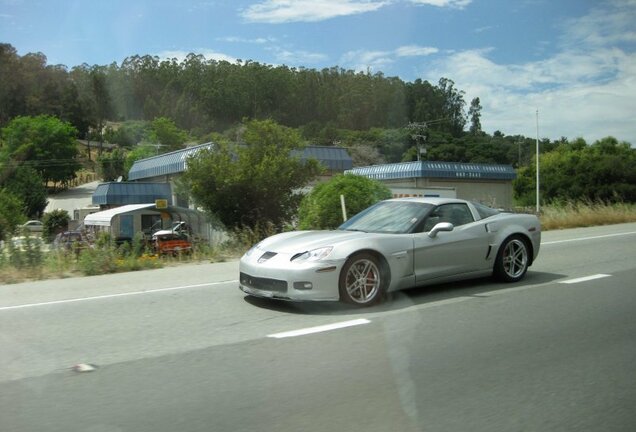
{"points": [[362, 280], [512, 260]]}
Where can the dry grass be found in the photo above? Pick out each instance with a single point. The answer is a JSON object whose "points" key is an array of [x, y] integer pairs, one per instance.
{"points": [[584, 214]]}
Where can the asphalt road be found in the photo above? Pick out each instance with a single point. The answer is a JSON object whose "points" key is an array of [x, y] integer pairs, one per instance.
{"points": [[182, 349]]}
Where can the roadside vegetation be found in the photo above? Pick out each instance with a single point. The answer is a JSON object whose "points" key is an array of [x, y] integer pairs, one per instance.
{"points": [[33, 261], [585, 214]]}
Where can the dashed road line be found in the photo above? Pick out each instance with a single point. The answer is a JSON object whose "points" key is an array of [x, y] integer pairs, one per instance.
{"points": [[585, 279], [588, 238], [319, 329], [107, 296]]}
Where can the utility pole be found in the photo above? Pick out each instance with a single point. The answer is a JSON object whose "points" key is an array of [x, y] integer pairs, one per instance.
{"points": [[538, 207], [419, 135]]}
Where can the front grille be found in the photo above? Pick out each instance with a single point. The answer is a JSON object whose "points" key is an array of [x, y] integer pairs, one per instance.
{"points": [[264, 284]]}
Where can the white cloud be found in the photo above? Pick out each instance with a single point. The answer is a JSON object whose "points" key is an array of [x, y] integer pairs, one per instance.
{"points": [[361, 60], [483, 29], [282, 11], [235, 39], [207, 53], [586, 89], [458, 4], [603, 27], [367, 60], [297, 57], [415, 51]]}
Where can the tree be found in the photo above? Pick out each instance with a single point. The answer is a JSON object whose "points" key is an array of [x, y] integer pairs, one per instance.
{"points": [[54, 222], [603, 171], [111, 165], [252, 183], [26, 184], [321, 208], [10, 213], [365, 155], [101, 102], [453, 107], [164, 131], [137, 153], [474, 112], [128, 134], [44, 143]]}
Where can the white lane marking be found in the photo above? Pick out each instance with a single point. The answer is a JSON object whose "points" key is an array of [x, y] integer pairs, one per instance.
{"points": [[106, 296], [588, 238], [585, 279], [319, 329]]}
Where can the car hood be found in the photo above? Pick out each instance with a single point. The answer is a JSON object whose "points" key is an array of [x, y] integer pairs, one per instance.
{"points": [[302, 241]]}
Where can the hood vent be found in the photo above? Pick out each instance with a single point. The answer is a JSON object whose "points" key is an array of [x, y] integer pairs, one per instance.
{"points": [[266, 256]]}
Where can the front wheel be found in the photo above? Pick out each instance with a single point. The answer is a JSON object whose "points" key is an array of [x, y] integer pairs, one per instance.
{"points": [[512, 260], [362, 281]]}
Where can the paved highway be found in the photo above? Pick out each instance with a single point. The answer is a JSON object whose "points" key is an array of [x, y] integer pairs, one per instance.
{"points": [[182, 349]]}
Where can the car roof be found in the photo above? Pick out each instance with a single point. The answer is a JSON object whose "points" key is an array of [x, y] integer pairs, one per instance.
{"points": [[432, 200]]}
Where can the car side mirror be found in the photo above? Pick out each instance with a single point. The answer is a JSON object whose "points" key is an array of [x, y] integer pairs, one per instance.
{"points": [[442, 226]]}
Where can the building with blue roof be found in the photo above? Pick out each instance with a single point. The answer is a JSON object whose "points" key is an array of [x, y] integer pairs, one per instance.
{"points": [[162, 167], [487, 183], [114, 194]]}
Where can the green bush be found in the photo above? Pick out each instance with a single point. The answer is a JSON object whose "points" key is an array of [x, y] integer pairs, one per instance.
{"points": [[574, 171], [321, 208], [105, 257], [54, 222], [10, 213], [24, 252], [97, 261]]}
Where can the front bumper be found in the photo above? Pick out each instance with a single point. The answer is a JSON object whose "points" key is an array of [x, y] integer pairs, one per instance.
{"points": [[279, 278]]}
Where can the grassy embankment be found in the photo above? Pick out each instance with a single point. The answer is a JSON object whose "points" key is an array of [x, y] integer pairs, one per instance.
{"points": [[574, 215]]}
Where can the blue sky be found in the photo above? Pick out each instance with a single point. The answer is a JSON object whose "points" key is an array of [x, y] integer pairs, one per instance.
{"points": [[573, 60]]}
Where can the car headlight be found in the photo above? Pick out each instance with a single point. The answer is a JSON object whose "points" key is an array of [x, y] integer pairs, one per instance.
{"points": [[312, 255]]}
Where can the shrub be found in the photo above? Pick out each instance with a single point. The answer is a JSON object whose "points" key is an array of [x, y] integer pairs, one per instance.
{"points": [[97, 261], [54, 222], [321, 208]]}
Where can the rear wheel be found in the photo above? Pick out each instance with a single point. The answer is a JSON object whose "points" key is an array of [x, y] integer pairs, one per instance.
{"points": [[362, 281], [512, 260]]}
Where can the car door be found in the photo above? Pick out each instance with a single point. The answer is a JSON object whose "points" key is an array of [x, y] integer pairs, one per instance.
{"points": [[462, 250]]}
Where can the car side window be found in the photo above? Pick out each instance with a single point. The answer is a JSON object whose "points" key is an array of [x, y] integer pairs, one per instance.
{"points": [[457, 214]]}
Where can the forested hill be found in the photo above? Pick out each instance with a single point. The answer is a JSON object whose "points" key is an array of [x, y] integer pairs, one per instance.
{"points": [[204, 95], [378, 119]]}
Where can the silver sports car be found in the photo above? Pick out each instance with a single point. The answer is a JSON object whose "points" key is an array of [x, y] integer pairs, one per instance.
{"points": [[392, 245]]}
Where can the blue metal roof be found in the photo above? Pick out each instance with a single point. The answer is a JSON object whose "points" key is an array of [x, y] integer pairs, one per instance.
{"points": [[431, 169], [131, 193], [333, 158], [164, 164]]}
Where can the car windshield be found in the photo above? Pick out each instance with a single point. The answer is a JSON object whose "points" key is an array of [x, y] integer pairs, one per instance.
{"points": [[395, 217]]}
